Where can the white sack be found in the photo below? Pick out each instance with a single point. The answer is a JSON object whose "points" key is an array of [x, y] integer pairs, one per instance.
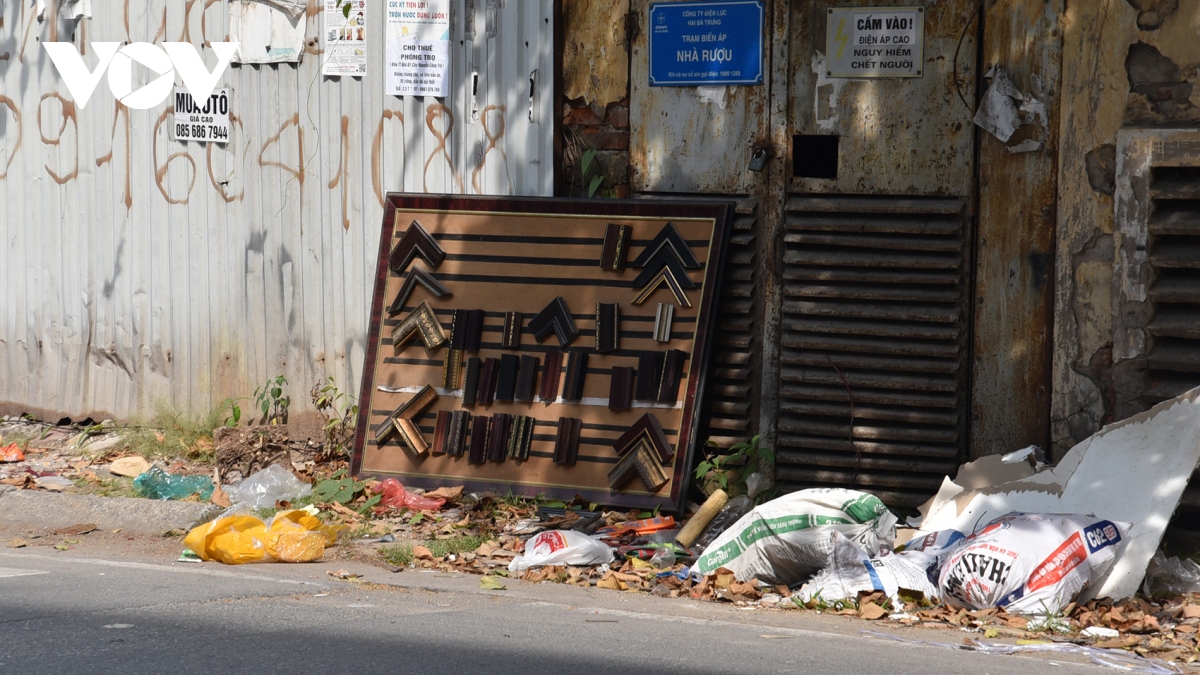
{"points": [[1030, 563], [787, 539]]}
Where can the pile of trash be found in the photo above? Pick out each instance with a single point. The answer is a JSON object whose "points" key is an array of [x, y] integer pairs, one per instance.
{"points": [[1009, 547]]}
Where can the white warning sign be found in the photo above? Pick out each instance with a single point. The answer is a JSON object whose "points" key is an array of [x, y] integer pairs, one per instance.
{"points": [[875, 42]]}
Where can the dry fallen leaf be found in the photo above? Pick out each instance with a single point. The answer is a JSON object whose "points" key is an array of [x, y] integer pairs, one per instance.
{"points": [[75, 529], [342, 574], [1016, 622], [130, 467], [871, 612], [491, 584], [422, 553], [1191, 611], [1118, 642], [611, 582], [450, 494], [219, 497], [17, 543]]}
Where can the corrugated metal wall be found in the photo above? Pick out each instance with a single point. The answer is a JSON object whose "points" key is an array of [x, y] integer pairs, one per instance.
{"points": [[137, 269]]}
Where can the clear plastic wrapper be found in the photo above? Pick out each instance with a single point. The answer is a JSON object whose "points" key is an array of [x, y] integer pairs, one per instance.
{"points": [[1171, 576], [263, 489]]}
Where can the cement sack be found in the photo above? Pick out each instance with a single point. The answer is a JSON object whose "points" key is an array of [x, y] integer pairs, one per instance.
{"points": [[1030, 563], [788, 539], [561, 547], [913, 567]]}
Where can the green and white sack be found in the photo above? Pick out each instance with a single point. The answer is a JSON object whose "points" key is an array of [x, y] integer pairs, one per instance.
{"points": [[786, 540]]}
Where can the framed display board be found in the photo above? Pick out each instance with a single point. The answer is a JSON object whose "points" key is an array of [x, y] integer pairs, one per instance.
{"points": [[541, 346]]}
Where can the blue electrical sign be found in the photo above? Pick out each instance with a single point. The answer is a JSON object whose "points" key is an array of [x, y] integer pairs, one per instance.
{"points": [[702, 43]]}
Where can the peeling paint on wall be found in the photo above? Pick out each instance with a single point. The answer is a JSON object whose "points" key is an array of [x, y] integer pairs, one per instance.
{"points": [[1096, 38], [1129, 66], [595, 51]]}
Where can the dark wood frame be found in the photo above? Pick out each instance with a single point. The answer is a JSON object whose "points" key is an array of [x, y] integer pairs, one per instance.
{"points": [[721, 212]]}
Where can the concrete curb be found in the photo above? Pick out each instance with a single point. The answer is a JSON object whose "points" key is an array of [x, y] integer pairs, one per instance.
{"points": [[26, 508]]}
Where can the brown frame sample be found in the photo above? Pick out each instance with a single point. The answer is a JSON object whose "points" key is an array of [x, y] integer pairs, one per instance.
{"points": [[520, 255]]}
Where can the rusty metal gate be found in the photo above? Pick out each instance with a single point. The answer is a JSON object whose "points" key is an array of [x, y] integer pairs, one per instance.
{"points": [[873, 340], [848, 310]]}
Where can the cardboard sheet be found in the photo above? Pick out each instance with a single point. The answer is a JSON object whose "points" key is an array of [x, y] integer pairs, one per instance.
{"points": [[1133, 471]]}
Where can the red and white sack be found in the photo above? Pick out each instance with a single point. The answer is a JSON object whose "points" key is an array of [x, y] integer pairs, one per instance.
{"points": [[1030, 563], [561, 547]]}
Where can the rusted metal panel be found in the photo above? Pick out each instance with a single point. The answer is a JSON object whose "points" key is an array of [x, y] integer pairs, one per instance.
{"points": [[1010, 396], [1156, 285], [140, 270], [692, 139], [899, 136], [873, 387]]}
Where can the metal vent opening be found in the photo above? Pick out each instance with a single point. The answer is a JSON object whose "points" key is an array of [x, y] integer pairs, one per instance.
{"points": [[730, 412], [1173, 359], [1173, 355], [874, 370]]}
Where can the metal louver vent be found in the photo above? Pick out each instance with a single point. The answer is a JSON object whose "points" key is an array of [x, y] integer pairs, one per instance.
{"points": [[1173, 359], [730, 405], [874, 367]]}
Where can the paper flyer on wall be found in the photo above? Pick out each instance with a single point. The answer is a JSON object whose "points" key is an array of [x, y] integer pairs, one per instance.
{"points": [[345, 37], [418, 48]]}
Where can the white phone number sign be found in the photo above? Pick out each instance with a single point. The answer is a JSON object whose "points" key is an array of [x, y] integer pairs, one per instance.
{"points": [[201, 121]]}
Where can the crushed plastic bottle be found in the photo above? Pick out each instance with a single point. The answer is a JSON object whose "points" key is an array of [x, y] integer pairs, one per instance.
{"points": [[663, 558], [158, 484]]}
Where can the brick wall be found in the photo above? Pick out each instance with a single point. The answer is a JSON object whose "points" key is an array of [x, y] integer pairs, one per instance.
{"points": [[606, 133]]}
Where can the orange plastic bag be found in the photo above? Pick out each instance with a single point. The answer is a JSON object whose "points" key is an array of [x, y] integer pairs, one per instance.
{"points": [[233, 540], [11, 453]]}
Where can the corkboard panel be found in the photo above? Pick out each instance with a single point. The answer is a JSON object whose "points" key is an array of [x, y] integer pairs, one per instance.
{"points": [[516, 255]]}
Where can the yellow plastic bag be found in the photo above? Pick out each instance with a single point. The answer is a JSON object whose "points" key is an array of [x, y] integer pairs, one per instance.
{"points": [[299, 546], [308, 522], [233, 540], [297, 536]]}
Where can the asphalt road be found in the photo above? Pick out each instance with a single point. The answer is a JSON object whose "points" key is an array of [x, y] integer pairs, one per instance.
{"points": [[108, 609]]}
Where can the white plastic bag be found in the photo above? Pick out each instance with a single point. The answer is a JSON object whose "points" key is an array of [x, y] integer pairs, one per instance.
{"points": [[787, 539], [1030, 563], [851, 570], [561, 547], [262, 489]]}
